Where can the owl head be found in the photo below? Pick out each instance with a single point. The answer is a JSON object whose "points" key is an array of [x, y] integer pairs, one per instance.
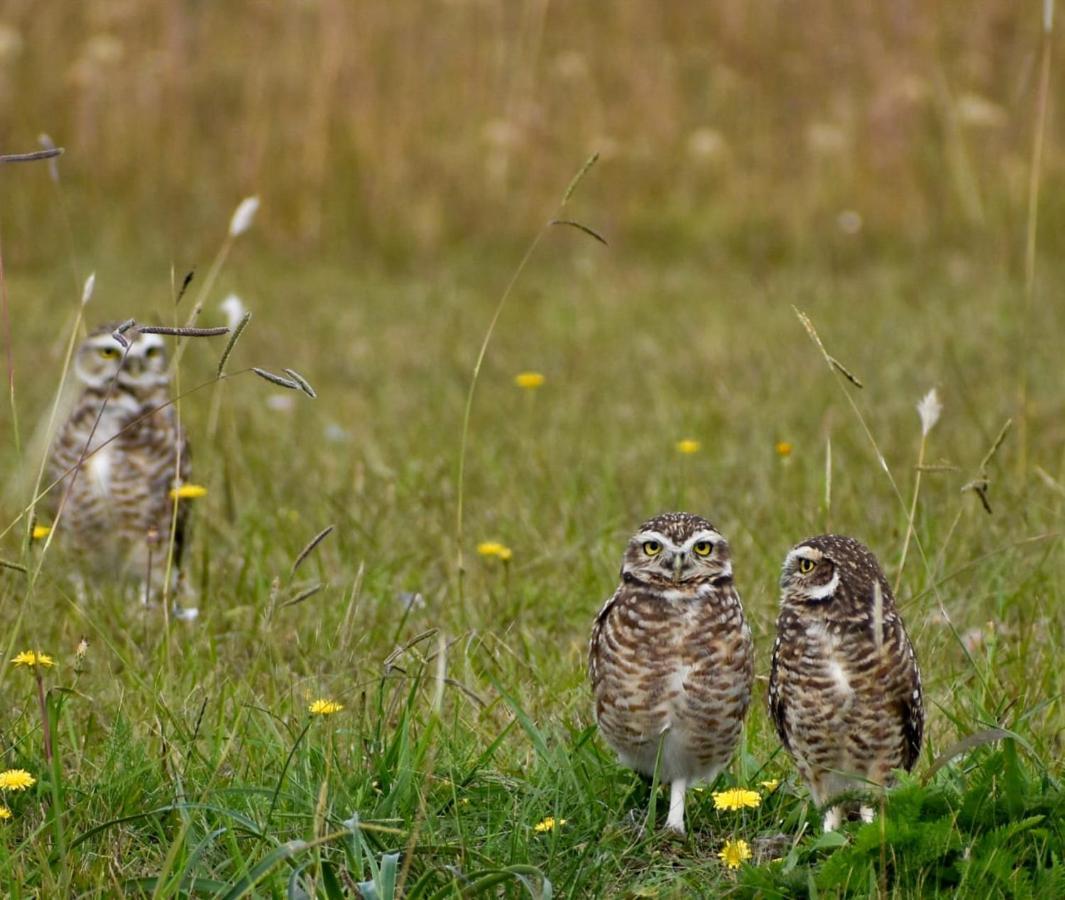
{"points": [[677, 550], [831, 568], [101, 359]]}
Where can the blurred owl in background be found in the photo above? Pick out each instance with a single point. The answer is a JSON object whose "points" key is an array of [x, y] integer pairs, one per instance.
{"points": [[671, 659], [120, 454], [844, 690]]}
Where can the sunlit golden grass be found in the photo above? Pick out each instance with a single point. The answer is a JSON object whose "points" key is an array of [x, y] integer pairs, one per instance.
{"points": [[405, 130]]}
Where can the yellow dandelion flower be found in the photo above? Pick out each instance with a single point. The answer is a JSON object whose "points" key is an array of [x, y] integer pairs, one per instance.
{"points": [[41, 531], [33, 658], [188, 492], [734, 853], [736, 798], [530, 381], [687, 446], [549, 824], [5, 813], [496, 549], [16, 780], [783, 449], [323, 707], [771, 785]]}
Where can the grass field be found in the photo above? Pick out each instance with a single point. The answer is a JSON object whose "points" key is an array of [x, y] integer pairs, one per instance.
{"points": [[892, 172], [186, 761]]}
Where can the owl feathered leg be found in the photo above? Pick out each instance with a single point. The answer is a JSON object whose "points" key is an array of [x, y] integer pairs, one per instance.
{"points": [[675, 820], [833, 818]]}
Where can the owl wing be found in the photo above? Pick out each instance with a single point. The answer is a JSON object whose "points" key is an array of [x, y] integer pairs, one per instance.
{"points": [[911, 703], [775, 696], [597, 634]]}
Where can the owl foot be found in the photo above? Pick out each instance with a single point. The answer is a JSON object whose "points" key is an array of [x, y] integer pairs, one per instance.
{"points": [[833, 819]]}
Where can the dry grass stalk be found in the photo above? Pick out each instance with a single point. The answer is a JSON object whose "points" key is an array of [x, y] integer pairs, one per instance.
{"points": [[32, 156], [276, 379], [929, 410], [482, 352], [314, 542], [233, 338], [184, 332], [1034, 179], [303, 383], [845, 372], [303, 595]]}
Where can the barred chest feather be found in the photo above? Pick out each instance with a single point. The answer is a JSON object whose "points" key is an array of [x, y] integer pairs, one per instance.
{"points": [[673, 668], [842, 702], [122, 489]]}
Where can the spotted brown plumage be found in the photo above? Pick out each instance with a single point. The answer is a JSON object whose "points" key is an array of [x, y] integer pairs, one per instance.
{"points": [[118, 457], [671, 659], [844, 689]]}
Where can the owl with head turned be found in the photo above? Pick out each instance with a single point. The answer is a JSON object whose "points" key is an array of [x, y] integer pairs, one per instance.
{"points": [[844, 688], [117, 458], [671, 660]]}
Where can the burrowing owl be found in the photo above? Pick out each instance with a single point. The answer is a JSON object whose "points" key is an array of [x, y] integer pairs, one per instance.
{"points": [[118, 508], [845, 691], [671, 660]]}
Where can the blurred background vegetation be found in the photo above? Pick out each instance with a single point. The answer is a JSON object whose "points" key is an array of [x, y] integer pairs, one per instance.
{"points": [[761, 128]]}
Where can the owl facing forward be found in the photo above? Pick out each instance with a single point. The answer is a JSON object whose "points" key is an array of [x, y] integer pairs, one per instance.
{"points": [[671, 660], [844, 690], [118, 455]]}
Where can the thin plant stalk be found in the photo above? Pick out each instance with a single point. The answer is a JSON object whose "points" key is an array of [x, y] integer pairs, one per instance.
{"points": [[54, 769], [68, 357], [828, 483], [464, 440], [1031, 230], [913, 512], [840, 378], [7, 351]]}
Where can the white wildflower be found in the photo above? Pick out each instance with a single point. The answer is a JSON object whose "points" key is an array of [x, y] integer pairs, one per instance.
{"points": [[86, 292], [243, 216], [929, 409], [233, 309]]}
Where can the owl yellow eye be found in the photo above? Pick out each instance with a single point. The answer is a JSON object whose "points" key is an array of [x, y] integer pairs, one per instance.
{"points": [[703, 548], [806, 566], [109, 352], [652, 548], [153, 352]]}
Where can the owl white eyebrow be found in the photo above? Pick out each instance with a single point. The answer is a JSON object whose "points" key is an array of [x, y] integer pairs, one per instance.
{"points": [[147, 341], [644, 536], [103, 340], [810, 553], [705, 535]]}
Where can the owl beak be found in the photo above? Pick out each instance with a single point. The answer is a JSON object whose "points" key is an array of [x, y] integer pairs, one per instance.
{"points": [[678, 564]]}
